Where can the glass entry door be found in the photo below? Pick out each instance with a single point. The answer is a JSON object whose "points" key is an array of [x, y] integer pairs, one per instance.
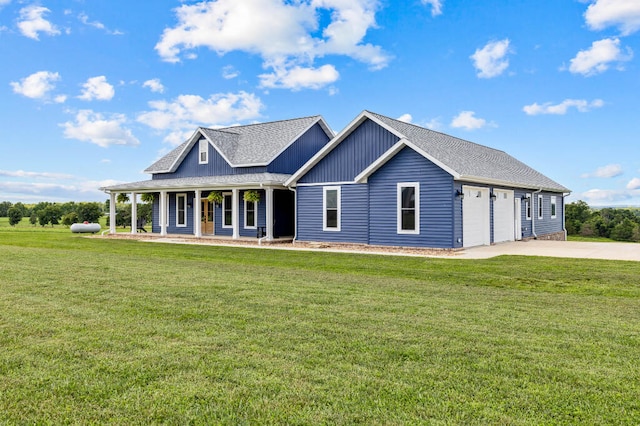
{"points": [[207, 217]]}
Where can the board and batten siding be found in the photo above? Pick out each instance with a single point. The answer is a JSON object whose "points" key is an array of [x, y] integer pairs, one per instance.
{"points": [[299, 152], [354, 214], [436, 202], [355, 153], [216, 166], [171, 223]]}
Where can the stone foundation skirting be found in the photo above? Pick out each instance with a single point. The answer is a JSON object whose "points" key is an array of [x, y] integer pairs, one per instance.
{"points": [[556, 236]]}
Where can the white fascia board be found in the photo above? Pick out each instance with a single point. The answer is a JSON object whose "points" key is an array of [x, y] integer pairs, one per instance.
{"points": [[497, 182], [381, 161], [224, 157], [333, 143]]}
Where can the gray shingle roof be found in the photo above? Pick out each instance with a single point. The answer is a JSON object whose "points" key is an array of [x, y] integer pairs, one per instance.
{"points": [[249, 145], [471, 161], [204, 182]]}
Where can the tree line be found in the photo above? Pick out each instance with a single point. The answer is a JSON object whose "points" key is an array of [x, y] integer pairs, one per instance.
{"points": [[48, 213], [619, 224]]}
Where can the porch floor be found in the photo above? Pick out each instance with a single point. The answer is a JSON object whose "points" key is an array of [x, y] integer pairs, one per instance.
{"points": [[223, 239]]}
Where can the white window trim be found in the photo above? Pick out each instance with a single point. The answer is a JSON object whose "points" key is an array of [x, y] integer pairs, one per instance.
{"points": [[416, 186], [255, 214], [178, 198], [203, 147], [540, 207], [554, 207], [224, 208], [528, 206], [324, 208]]}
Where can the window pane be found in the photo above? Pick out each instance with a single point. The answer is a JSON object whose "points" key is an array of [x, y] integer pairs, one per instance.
{"points": [[251, 218], [332, 218], [228, 216], [332, 199], [408, 197], [408, 220]]}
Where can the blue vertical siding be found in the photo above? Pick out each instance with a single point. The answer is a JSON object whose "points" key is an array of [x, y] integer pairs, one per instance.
{"points": [[436, 202], [457, 216], [171, 227], [355, 153], [300, 151], [354, 214]]}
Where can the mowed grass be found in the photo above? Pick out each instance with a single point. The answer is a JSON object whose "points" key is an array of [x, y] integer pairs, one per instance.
{"points": [[94, 330]]}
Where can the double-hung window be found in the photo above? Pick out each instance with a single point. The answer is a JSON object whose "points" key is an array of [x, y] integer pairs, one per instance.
{"points": [[554, 207], [250, 208], [527, 207], [408, 208], [540, 211], [227, 210], [331, 208], [203, 154], [181, 210]]}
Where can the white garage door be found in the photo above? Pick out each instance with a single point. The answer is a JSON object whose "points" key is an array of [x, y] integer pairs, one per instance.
{"points": [[503, 216], [475, 216]]}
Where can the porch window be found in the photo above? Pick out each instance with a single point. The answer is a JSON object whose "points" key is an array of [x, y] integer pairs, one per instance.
{"points": [[331, 208], [227, 210], [250, 208], [408, 208], [527, 207], [540, 211], [181, 210], [203, 154], [554, 207]]}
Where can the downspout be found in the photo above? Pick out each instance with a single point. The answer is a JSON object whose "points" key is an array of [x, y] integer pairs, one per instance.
{"points": [[564, 223], [534, 214]]}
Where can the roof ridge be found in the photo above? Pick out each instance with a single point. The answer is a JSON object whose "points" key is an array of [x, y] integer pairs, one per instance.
{"points": [[270, 122], [438, 132]]}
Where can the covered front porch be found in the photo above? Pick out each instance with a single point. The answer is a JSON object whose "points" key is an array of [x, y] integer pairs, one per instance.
{"points": [[184, 206]]}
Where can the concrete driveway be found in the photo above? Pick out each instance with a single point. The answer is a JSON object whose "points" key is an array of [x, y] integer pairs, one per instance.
{"points": [[581, 250]]}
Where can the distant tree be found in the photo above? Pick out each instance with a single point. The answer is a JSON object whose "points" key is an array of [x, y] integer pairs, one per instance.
{"points": [[15, 215], [33, 219], [122, 198], [23, 209], [625, 230], [69, 219], [576, 214], [50, 214], [89, 212], [4, 208], [147, 197]]}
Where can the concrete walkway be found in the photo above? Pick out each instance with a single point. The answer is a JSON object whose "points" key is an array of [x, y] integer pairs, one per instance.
{"points": [[574, 249]]}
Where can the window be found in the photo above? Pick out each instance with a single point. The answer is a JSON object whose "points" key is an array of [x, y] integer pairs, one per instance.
{"points": [[181, 210], [203, 157], [527, 206], [331, 209], [408, 208], [539, 206], [250, 208], [227, 210], [554, 206]]}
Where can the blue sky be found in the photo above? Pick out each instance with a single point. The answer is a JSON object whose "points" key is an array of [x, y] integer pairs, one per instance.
{"points": [[93, 92]]}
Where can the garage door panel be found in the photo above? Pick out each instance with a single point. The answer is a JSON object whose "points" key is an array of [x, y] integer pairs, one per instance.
{"points": [[475, 216], [503, 216]]}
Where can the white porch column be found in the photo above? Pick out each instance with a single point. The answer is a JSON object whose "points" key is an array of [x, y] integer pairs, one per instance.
{"points": [[134, 212], [197, 223], [235, 212], [269, 207], [163, 213], [112, 213]]}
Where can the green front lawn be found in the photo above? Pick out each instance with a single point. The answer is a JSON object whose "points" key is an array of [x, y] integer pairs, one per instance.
{"points": [[94, 330]]}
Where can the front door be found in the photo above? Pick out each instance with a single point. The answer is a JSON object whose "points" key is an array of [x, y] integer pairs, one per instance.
{"points": [[207, 217]]}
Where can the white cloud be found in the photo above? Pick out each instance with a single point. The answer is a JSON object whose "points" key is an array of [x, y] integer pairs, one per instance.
{"points": [[97, 24], [93, 127], [436, 6], [490, 61], [287, 35], [562, 108], [467, 120], [406, 118], [624, 14], [229, 72], [296, 78], [599, 56], [38, 86], [97, 88], [182, 115], [25, 174], [32, 22], [154, 85], [4, 2], [608, 196], [634, 183], [608, 171], [66, 189], [433, 124]]}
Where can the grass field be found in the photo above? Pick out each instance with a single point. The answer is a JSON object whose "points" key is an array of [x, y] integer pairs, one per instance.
{"points": [[114, 331]]}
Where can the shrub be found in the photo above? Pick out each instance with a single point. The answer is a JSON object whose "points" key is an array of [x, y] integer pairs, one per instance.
{"points": [[69, 219], [15, 215]]}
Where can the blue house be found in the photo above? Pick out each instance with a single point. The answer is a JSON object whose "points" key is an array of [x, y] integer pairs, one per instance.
{"points": [[380, 181], [229, 162]]}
